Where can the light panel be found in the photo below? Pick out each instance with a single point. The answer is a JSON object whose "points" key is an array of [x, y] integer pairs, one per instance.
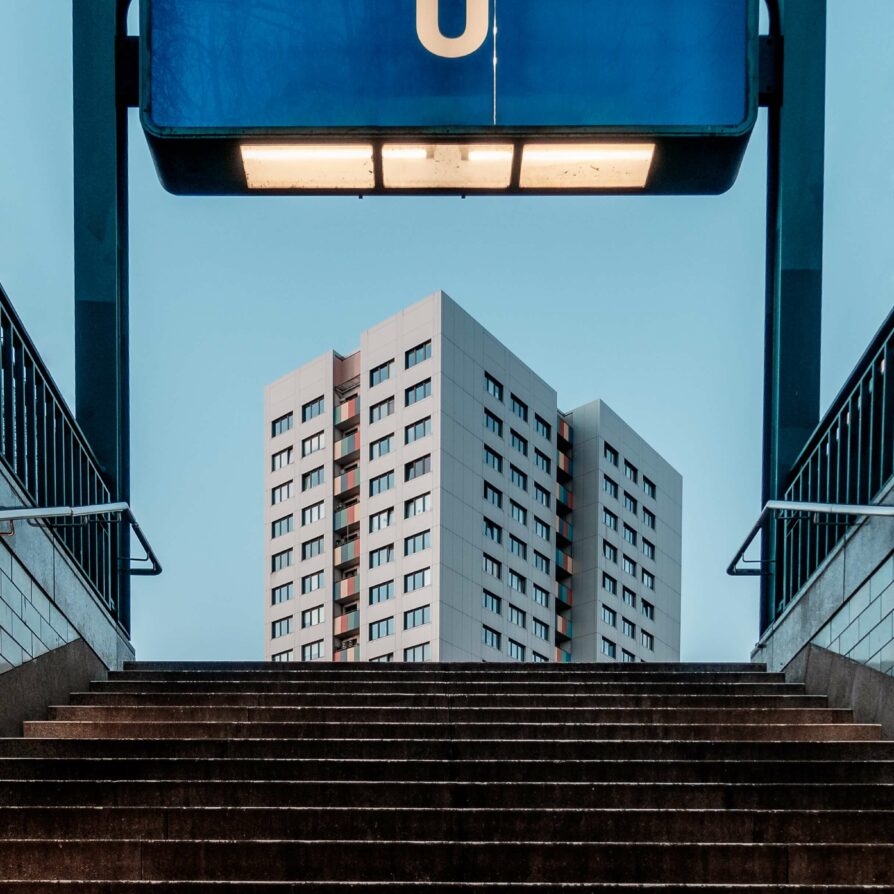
{"points": [[447, 166], [344, 166], [569, 166]]}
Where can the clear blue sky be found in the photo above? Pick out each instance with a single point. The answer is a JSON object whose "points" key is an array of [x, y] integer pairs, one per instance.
{"points": [[655, 305]]}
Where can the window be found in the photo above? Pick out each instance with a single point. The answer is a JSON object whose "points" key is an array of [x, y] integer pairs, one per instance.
{"points": [[518, 547], [313, 444], [647, 640], [312, 514], [629, 503], [417, 431], [608, 648], [493, 423], [283, 657], [629, 565], [648, 610], [610, 454], [627, 657], [537, 658], [609, 584], [517, 582], [492, 567], [382, 447], [381, 520], [631, 472], [492, 495], [380, 374], [518, 442], [312, 582], [610, 487], [281, 560], [518, 478], [417, 543], [381, 410], [381, 483], [630, 535], [415, 393], [542, 461], [610, 520], [493, 459], [519, 513], [282, 493], [388, 658], [540, 596], [417, 580], [282, 459], [278, 595], [629, 628], [378, 629], [516, 650], [648, 549], [418, 653], [281, 628], [609, 552], [492, 603], [311, 548], [539, 629], [517, 616], [520, 408], [381, 593], [312, 616], [417, 506], [649, 487], [493, 387], [493, 531], [282, 425], [312, 651], [312, 409], [416, 355], [417, 468], [542, 496], [649, 518], [629, 597], [648, 580], [541, 563], [490, 637], [417, 617], [282, 526], [381, 556], [314, 478], [542, 427], [541, 528], [609, 616]]}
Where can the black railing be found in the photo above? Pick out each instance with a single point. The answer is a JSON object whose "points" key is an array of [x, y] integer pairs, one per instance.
{"points": [[46, 454], [848, 460]]}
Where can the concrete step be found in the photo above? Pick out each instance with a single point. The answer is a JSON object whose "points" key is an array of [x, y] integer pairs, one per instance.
{"points": [[279, 860], [570, 729], [453, 824], [458, 714], [413, 793]]}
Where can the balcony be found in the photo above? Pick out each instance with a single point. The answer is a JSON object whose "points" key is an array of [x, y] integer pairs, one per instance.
{"points": [[348, 449], [347, 588], [562, 656], [564, 496], [564, 596], [347, 624], [348, 413], [346, 517], [351, 654], [565, 431], [563, 627], [563, 562], [347, 553], [564, 528], [563, 462], [347, 485]]}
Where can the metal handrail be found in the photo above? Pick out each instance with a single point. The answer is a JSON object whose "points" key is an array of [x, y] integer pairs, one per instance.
{"points": [[789, 509], [121, 510]]}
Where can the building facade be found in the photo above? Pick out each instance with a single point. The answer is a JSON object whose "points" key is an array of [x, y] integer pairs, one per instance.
{"points": [[420, 506]]}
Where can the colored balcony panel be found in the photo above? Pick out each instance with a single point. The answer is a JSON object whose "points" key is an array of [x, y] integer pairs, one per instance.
{"points": [[348, 623], [348, 447], [564, 595], [352, 654], [562, 656], [564, 496], [564, 528], [563, 626], [347, 588], [563, 461], [348, 412], [346, 483], [563, 561], [566, 432], [347, 553], [344, 518]]}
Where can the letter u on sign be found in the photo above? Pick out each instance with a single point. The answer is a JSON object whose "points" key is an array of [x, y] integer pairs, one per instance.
{"points": [[428, 28]]}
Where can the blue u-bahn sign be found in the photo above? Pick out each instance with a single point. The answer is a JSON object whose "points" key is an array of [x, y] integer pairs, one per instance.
{"points": [[493, 96]]}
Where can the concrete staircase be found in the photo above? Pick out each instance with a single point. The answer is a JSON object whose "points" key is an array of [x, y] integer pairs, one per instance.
{"points": [[250, 778]]}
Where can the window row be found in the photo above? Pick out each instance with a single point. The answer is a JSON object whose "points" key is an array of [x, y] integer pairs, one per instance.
{"points": [[630, 471], [416, 617], [495, 388]]}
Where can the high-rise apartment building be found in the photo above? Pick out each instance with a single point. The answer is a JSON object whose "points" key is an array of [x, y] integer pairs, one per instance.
{"points": [[426, 500]]}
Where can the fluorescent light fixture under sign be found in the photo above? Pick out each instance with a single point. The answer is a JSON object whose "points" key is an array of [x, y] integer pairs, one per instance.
{"points": [[586, 165], [308, 166], [447, 166]]}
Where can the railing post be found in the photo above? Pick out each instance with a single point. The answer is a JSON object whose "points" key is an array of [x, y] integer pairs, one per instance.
{"points": [[101, 253], [795, 189]]}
